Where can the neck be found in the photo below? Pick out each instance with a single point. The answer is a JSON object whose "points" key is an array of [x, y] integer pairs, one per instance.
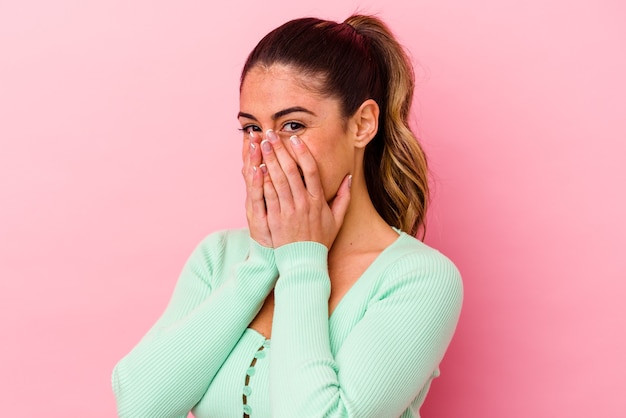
{"points": [[363, 229]]}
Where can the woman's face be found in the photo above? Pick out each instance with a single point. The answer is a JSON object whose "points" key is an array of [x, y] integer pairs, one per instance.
{"points": [[282, 99]]}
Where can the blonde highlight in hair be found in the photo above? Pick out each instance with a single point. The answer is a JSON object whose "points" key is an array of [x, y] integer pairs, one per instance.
{"points": [[396, 168]]}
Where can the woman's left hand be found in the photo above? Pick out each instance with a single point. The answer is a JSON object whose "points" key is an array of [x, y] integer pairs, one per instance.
{"points": [[296, 212]]}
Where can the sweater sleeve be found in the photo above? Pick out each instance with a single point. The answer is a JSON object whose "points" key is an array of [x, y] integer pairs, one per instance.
{"points": [[170, 369], [390, 354]]}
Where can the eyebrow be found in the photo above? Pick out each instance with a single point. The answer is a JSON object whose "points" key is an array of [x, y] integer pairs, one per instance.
{"points": [[278, 114]]}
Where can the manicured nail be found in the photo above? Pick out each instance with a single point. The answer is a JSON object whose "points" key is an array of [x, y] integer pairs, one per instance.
{"points": [[252, 147], [350, 181], [252, 134], [295, 140], [263, 168], [271, 135], [254, 169], [266, 146]]}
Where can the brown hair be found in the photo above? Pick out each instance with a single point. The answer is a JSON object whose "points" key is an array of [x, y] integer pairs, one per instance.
{"points": [[357, 60]]}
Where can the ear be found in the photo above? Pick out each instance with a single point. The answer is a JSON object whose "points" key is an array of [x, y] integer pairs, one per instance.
{"points": [[365, 123]]}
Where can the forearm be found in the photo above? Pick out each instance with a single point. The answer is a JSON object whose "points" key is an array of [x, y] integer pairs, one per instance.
{"points": [[168, 372], [300, 338], [388, 356]]}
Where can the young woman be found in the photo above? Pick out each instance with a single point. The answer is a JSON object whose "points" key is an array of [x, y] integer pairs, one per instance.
{"points": [[358, 311]]}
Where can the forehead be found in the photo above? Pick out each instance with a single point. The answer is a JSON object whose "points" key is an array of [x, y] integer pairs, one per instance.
{"points": [[279, 86]]}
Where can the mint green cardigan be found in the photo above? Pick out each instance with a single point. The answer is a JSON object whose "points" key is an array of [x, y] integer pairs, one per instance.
{"points": [[375, 356]]}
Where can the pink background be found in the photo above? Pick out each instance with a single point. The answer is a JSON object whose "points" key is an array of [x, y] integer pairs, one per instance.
{"points": [[119, 152]]}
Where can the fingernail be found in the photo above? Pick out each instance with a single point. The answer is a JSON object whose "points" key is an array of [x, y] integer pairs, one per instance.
{"points": [[295, 140], [252, 147], [263, 168], [266, 146], [254, 168], [252, 135], [350, 181], [271, 135]]}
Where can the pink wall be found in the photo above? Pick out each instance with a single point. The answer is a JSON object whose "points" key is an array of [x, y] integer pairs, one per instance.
{"points": [[119, 151]]}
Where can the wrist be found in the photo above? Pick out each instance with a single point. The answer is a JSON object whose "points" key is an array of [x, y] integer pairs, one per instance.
{"points": [[308, 255], [260, 253]]}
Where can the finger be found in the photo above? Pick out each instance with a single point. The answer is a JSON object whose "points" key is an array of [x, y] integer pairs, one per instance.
{"points": [[246, 150], [252, 192], [257, 201], [272, 201], [308, 165], [254, 155], [245, 172], [288, 164], [276, 173], [248, 138], [254, 178], [253, 158], [256, 211], [340, 204]]}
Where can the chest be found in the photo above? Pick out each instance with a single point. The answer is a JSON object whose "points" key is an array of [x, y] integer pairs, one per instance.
{"points": [[242, 383]]}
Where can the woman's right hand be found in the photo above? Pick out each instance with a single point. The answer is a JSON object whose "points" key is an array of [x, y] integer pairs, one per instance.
{"points": [[256, 212]]}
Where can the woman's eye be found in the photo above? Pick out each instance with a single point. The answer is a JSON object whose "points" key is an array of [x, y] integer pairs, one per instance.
{"points": [[292, 126], [249, 129]]}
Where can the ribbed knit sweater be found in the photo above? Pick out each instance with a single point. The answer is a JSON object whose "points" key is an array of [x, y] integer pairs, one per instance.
{"points": [[375, 356]]}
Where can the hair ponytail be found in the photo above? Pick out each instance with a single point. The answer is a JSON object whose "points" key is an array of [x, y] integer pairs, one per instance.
{"points": [[357, 60], [396, 169]]}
